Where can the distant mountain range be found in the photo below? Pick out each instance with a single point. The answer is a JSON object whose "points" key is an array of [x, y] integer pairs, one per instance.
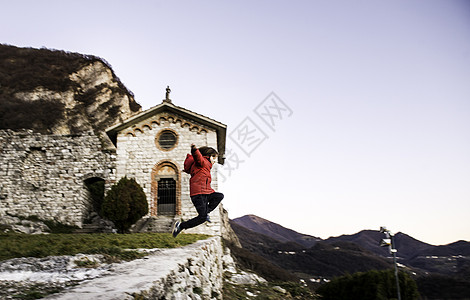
{"points": [[319, 261], [275, 231], [407, 246], [308, 256]]}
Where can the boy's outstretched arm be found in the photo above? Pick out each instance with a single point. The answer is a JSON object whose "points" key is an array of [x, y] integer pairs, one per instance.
{"points": [[198, 159]]}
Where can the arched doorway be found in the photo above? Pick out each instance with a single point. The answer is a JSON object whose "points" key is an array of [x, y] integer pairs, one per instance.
{"points": [[95, 188], [165, 190]]}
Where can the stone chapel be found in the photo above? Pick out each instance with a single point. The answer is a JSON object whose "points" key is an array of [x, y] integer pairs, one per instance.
{"points": [[47, 176], [152, 146]]}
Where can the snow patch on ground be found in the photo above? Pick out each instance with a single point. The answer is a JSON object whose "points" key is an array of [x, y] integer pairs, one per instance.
{"points": [[41, 274]]}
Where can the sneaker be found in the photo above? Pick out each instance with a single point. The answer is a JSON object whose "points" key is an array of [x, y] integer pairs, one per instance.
{"points": [[177, 229], [208, 219]]}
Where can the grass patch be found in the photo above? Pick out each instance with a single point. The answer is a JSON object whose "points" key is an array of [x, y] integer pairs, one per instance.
{"points": [[115, 246]]}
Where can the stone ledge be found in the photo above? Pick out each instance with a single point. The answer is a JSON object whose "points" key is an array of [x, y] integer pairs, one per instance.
{"points": [[190, 272]]}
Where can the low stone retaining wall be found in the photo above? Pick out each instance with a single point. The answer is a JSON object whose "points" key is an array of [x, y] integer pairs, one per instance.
{"points": [[191, 272]]}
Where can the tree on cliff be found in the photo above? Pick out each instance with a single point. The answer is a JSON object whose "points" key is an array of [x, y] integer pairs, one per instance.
{"points": [[124, 204]]}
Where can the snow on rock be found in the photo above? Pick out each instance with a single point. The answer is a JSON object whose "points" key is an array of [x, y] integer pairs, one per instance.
{"points": [[239, 277], [52, 268], [48, 274]]}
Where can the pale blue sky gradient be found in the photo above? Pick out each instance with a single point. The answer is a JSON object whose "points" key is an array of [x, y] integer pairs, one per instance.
{"points": [[380, 94]]}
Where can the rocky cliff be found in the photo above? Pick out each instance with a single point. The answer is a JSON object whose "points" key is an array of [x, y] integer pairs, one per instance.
{"points": [[57, 92]]}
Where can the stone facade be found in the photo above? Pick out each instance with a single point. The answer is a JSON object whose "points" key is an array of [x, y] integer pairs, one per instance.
{"points": [[45, 175], [141, 155]]}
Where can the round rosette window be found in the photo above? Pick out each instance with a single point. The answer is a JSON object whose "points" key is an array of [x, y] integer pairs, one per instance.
{"points": [[167, 140]]}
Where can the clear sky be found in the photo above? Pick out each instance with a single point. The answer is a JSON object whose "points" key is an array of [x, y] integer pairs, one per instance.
{"points": [[369, 123]]}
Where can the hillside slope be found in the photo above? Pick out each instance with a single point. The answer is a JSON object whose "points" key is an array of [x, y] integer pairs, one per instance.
{"points": [[57, 92]]}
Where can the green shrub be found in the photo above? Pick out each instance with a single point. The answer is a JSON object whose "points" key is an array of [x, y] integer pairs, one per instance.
{"points": [[124, 204]]}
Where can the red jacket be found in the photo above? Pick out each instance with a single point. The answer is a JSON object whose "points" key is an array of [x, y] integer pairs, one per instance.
{"points": [[200, 169]]}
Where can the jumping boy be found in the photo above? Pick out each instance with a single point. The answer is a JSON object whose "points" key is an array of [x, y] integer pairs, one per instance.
{"points": [[199, 164]]}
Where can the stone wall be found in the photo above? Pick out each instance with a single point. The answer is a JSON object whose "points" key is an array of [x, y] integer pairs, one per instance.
{"points": [[44, 175]]}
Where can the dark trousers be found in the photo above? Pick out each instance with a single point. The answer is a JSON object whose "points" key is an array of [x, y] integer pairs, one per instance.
{"points": [[204, 204]]}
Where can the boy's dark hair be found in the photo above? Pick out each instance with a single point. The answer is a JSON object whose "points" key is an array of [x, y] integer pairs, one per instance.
{"points": [[208, 151]]}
